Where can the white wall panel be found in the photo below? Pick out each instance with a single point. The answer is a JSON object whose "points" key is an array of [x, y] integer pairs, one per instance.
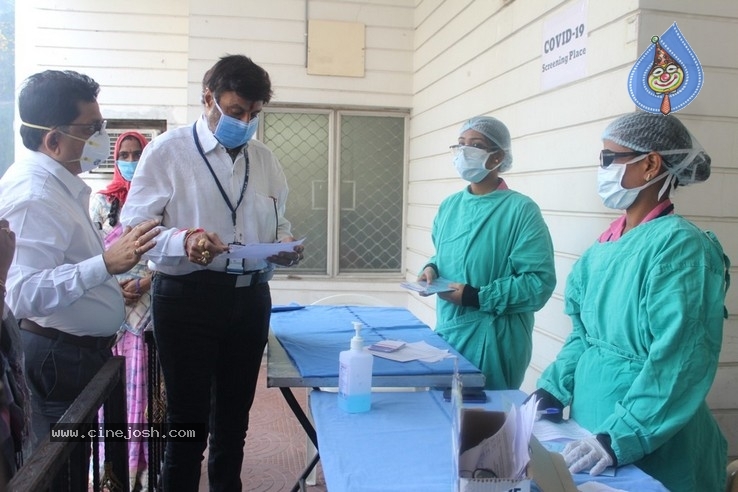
{"points": [[397, 13], [135, 50], [139, 18], [161, 7], [729, 352], [420, 217], [274, 35], [436, 167]]}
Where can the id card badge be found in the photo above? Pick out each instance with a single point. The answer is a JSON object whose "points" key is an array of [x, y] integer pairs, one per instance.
{"points": [[235, 265]]}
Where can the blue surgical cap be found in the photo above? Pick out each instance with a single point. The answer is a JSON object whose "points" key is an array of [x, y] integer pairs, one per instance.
{"points": [[683, 156], [496, 132]]}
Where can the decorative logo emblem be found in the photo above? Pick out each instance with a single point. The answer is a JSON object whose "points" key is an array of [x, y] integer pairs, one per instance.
{"points": [[667, 76]]}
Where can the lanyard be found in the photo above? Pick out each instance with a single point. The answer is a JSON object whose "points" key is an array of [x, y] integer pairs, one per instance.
{"points": [[217, 181]]}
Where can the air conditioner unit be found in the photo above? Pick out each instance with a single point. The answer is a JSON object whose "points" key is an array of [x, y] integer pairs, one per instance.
{"points": [[108, 166]]}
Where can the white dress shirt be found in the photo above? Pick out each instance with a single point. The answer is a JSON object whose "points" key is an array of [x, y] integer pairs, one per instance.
{"points": [[173, 183], [58, 277]]}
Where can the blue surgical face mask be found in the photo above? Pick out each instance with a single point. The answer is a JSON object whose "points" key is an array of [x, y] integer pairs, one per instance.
{"points": [[470, 163], [610, 187], [232, 132], [126, 168]]}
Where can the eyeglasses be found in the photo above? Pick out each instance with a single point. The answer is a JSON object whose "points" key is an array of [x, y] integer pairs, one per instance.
{"points": [[456, 148], [607, 156], [89, 129]]}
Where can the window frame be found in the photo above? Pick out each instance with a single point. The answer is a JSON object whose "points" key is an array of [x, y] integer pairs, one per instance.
{"points": [[334, 188]]}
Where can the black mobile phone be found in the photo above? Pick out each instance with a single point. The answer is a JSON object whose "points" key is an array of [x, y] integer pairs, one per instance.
{"points": [[468, 395]]}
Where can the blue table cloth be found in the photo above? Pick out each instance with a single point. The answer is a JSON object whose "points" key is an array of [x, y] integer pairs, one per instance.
{"points": [[404, 444], [313, 338]]}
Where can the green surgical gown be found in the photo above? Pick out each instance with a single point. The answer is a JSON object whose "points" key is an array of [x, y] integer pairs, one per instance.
{"points": [[647, 313], [500, 244]]}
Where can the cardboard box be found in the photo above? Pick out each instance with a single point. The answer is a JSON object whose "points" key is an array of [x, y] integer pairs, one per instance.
{"points": [[547, 469]]}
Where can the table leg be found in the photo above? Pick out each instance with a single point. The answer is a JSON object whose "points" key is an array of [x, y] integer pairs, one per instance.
{"points": [[309, 430], [297, 410]]}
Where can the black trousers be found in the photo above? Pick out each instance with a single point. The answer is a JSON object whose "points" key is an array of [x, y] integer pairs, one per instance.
{"points": [[210, 339], [56, 373]]}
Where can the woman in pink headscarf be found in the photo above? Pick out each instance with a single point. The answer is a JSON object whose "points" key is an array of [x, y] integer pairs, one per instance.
{"points": [[105, 210]]}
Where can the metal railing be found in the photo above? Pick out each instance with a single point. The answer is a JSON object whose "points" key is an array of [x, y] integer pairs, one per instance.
{"points": [[107, 390]]}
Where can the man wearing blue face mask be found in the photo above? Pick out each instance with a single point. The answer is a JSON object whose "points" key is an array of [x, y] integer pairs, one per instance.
{"points": [[493, 244], [212, 185], [62, 283]]}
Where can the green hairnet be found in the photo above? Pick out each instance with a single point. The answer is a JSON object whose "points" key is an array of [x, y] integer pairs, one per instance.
{"points": [[496, 132], [683, 155]]}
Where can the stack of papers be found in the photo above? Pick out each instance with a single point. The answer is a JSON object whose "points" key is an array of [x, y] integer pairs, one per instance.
{"points": [[424, 289], [387, 346], [421, 351]]}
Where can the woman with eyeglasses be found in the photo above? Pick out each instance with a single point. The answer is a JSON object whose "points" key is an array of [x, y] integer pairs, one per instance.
{"points": [[493, 245], [647, 308], [105, 207]]}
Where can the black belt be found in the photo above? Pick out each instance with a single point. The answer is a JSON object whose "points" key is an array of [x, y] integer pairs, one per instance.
{"points": [[249, 279], [80, 341]]}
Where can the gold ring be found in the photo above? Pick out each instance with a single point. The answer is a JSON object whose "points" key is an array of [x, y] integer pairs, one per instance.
{"points": [[203, 260], [206, 254], [136, 252], [201, 242]]}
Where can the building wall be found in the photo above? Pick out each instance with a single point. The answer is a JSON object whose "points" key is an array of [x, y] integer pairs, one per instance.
{"points": [[274, 35], [445, 60]]}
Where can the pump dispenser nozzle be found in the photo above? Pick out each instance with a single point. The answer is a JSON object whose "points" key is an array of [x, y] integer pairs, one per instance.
{"points": [[357, 343]]}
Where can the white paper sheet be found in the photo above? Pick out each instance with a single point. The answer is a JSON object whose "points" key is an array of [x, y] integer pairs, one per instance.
{"points": [[546, 430], [260, 251], [414, 351]]}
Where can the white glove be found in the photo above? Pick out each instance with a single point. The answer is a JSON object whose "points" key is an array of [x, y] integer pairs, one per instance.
{"points": [[587, 453]]}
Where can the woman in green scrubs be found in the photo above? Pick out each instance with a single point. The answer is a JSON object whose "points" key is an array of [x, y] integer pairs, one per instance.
{"points": [[493, 245], [647, 308]]}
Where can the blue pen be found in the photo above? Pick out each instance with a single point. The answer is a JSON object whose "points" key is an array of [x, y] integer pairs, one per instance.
{"points": [[548, 411]]}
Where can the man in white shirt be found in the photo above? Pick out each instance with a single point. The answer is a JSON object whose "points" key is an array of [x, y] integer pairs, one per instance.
{"points": [[61, 284], [209, 184]]}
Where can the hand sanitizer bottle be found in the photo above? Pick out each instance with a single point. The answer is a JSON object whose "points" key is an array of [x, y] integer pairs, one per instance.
{"points": [[355, 376]]}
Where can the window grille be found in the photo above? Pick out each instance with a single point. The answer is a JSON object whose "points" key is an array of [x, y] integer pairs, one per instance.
{"points": [[346, 192]]}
